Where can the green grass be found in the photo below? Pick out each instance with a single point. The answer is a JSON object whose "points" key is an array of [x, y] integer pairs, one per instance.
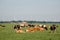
{"points": [[8, 33]]}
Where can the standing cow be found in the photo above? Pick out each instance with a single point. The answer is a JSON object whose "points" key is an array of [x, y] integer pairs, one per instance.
{"points": [[53, 28]]}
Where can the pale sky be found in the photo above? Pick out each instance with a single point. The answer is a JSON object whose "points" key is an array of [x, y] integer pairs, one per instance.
{"points": [[37, 10]]}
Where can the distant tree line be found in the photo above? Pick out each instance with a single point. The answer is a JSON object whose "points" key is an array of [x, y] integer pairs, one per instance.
{"points": [[27, 21]]}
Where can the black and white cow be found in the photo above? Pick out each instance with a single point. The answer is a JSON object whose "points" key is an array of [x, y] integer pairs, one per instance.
{"points": [[53, 28], [17, 27]]}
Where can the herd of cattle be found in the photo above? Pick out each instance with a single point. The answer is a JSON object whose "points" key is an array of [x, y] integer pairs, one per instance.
{"points": [[33, 28]]}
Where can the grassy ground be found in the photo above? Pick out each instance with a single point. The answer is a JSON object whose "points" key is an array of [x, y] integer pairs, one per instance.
{"points": [[8, 33]]}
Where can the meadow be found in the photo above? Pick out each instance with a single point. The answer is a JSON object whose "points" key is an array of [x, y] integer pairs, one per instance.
{"points": [[8, 33]]}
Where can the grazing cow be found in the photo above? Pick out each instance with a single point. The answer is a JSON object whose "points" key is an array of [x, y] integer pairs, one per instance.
{"points": [[53, 28]]}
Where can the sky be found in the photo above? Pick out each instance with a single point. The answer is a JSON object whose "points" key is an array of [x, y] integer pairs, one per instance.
{"points": [[36, 10]]}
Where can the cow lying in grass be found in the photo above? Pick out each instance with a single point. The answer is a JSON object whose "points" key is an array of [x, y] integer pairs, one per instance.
{"points": [[44, 26], [33, 29], [18, 29]]}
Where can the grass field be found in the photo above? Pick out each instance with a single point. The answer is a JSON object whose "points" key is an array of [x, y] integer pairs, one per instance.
{"points": [[8, 33]]}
